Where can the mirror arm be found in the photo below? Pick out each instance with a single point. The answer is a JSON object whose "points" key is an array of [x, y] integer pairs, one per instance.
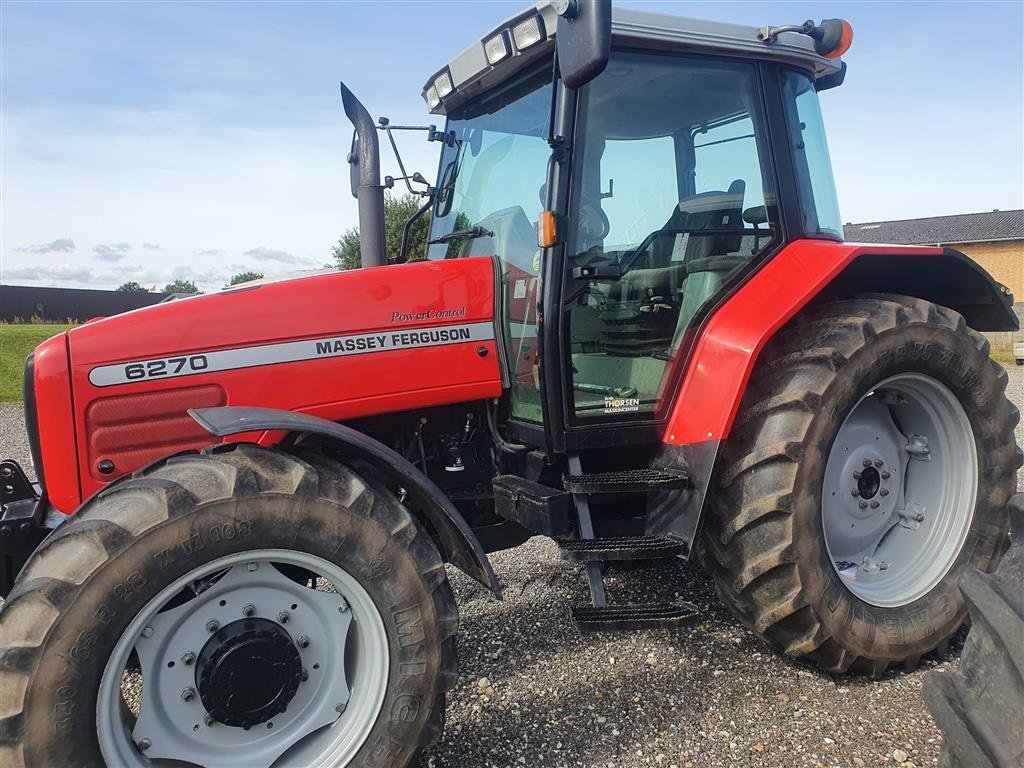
{"points": [[404, 254]]}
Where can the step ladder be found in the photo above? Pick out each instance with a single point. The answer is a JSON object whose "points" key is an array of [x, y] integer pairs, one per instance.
{"points": [[592, 552]]}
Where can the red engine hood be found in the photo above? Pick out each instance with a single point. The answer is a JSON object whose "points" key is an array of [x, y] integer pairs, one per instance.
{"points": [[337, 345]]}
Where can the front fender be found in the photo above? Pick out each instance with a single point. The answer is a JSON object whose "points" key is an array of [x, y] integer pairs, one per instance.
{"points": [[458, 544]]}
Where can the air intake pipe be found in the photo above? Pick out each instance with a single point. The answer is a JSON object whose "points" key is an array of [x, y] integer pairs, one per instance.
{"points": [[366, 186]]}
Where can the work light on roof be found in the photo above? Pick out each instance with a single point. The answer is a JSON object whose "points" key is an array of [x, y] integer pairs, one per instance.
{"points": [[496, 48], [529, 32], [432, 98], [443, 84]]}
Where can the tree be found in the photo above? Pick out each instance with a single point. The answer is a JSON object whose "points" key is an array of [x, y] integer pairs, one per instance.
{"points": [[131, 287], [244, 277], [397, 210], [181, 286]]}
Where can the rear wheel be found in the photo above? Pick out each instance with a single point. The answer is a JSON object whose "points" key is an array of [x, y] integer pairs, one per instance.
{"points": [[244, 607], [980, 708], [869, 466]]}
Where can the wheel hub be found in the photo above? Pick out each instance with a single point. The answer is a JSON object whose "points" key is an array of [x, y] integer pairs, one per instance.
{"points": [[248, 672], [868, 483], [898, 489]]}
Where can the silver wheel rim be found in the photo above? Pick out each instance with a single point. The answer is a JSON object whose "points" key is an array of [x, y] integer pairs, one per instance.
{"points": [[338, 633], [899, 491]]}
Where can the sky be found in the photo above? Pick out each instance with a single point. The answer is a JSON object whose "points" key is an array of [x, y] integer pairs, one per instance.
{"points": [[151, 141]]}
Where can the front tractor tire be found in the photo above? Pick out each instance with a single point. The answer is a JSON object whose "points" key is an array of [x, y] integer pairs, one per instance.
{"points": [[239, 607], [870, 465]]}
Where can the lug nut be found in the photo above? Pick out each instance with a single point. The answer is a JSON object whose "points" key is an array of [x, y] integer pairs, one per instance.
{"points": [[303, 642], [866, 462], [856, 474], [862, 504], [874, 505], [147, 632], [884, 492], [283, 617], [305, 674], [208, 719], [212, 625], [886, 475], [879, 462], [855, 492], [187, 658], [344, 605], [339, 708], [144, 744], [188, 694], [248, 610]]}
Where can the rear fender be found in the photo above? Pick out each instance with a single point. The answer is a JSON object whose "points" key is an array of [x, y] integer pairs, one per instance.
{"points": [[730, 340], [458, 544], [733, 336]]}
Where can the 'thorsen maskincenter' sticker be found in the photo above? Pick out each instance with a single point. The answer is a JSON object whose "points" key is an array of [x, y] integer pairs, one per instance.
{"points": [[621, 404]]}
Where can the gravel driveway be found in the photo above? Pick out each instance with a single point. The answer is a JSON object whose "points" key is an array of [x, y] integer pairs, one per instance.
{"points": [[535, 692]]}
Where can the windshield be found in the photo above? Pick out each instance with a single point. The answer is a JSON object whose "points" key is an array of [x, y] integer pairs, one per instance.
{"points": [[492, 173], [491, 188]]}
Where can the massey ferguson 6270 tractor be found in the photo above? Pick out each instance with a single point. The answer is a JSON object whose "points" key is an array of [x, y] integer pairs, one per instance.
{"points": [[637, 330]]}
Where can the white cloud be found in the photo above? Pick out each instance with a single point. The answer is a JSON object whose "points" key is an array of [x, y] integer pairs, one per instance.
{"points": [[111, 251], [60, 245], [51, 273], [269, 254]]}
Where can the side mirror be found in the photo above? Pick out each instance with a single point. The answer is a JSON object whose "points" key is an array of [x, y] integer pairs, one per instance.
{"points": [[584, 39]]}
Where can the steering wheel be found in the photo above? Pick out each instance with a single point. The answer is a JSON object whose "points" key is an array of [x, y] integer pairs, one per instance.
{"points": [[593, 224]]}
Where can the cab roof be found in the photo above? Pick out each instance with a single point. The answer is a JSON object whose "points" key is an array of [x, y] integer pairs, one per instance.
{"points": [[471, 73]]}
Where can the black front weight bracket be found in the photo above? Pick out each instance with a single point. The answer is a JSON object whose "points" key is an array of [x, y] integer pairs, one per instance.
{"points": [[21, 522]]}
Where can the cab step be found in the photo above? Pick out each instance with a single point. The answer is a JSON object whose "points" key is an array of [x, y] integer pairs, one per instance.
{"points": [[622, 548], [628, 617], [627, 481]]}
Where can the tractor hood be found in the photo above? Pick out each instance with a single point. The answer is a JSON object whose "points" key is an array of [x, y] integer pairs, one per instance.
{"points": [[338, 345]]}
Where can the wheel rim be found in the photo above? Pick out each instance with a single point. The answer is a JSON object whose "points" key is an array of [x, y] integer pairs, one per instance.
{"points": [[245, 606], [899, 490]]}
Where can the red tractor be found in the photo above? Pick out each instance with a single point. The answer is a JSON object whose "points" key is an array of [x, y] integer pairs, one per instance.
{"points": [[637, 330]]}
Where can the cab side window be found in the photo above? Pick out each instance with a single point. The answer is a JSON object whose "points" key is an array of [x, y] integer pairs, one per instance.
{"points": [[672, 197]]}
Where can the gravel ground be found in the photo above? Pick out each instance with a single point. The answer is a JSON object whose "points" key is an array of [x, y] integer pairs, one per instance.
{"points": [[535, 692]]}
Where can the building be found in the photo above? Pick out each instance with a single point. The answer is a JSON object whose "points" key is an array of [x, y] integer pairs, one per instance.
{"points": [[24, 303], [994, 239]]}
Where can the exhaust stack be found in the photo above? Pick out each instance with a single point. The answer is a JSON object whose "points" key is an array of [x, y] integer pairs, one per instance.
{"points": [[366, 187]]}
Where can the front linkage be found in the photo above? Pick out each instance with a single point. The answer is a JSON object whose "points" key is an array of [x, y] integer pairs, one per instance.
{"points": [[22, 516]]}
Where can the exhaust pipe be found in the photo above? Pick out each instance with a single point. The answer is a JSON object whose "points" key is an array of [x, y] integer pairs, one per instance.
{"points": [[368, 191]]}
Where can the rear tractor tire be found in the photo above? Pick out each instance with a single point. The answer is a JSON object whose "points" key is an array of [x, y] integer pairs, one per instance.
{"points": [[980, 709], [869, 467], [239, 607]]}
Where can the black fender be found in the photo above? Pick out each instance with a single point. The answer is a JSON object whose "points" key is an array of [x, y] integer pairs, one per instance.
{"points": [[458, 544], [951, 279]]}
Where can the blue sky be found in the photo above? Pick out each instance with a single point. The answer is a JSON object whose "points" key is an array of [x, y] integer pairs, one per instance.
{"points": [[149, 141]]}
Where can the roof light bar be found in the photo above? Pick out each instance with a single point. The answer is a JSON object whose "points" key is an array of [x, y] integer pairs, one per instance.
{"points": [[529, 32], [496, 48]]}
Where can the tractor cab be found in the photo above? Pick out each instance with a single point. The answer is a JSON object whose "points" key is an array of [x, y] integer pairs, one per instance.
{"points": [[624, 203]]}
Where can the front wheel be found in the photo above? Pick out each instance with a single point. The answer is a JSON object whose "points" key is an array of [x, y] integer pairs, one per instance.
{"points": [[869, 466], [242, 607]]}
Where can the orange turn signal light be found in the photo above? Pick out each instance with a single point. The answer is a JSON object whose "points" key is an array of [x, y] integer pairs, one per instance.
{"points": [[547, 231], [845, 41]]}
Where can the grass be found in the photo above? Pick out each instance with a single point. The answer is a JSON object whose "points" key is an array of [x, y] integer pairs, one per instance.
{"points": [[16, 342]]}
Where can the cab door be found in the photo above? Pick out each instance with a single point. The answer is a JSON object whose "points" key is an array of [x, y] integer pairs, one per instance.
{"points": [[673, 200]]}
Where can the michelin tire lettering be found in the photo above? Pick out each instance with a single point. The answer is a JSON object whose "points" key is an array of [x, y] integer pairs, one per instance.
{"points": [[287, 352]]}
